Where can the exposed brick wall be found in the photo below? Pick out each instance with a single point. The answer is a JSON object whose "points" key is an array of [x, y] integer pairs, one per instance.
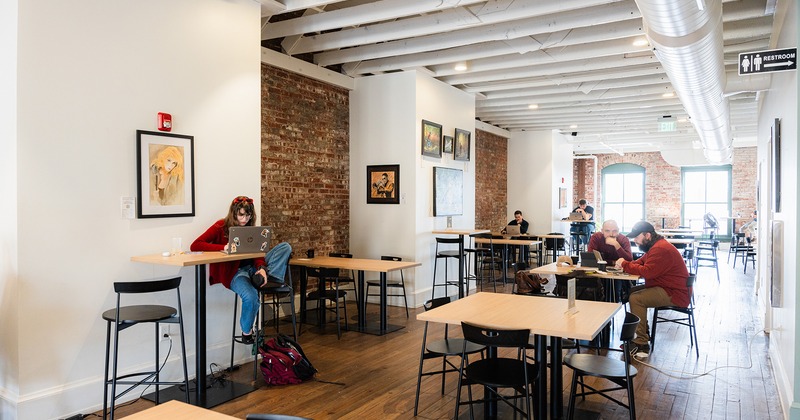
{"points": [[305, 155], [663, 183], [491, 174]]}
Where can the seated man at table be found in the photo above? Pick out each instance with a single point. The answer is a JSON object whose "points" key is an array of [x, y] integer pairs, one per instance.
{"points": [[523, 229], [665, 275], [581, 229], [612, 246]]}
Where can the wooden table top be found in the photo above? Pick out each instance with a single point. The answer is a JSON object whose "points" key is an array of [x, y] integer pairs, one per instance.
{"points": [[176, 410], [542, 315], [362, 264], [459, 231], [549, 236], [508, 241], [191, 258], [557, 269], [680, 241]]}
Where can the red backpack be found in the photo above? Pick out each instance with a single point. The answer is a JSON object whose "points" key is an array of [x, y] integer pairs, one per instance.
{"points": [[283, 362]]}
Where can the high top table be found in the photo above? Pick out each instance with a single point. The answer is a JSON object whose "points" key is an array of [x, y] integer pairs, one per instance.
{"points": [[200, 261], [543, 317], [460, 233], [360, 265], [516, 241], [554, 237]]}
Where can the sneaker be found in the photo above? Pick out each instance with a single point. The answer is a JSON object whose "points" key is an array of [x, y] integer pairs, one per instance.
{"points": [[248, 339], [641, 351]]}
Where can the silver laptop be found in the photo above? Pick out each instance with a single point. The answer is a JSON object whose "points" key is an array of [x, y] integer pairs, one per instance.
{"points": [[512, 230], [575, 216], [246, 239], [590, 259]]}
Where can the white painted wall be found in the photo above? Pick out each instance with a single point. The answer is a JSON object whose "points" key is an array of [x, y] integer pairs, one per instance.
{"points": [[781, 102], [90, 74], [537, 163], [9, 286]]}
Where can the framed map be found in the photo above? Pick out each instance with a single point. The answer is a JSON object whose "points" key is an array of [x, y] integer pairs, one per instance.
{"points": [[448, 191]]}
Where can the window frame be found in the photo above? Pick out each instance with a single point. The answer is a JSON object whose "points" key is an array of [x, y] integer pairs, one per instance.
{"points": [[624, 168]]}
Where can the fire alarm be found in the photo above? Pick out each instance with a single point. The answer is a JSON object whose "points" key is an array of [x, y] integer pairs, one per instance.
{"points": [[164, 121]]}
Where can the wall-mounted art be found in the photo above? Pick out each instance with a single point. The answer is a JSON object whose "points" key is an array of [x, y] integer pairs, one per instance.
{"points": [[431, 139], [448, 191], [165, 174], [462, 145], [383, 184], [448, 144]]}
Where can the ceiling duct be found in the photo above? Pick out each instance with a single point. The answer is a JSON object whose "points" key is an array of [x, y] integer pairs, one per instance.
{"points": [[686, 36]]}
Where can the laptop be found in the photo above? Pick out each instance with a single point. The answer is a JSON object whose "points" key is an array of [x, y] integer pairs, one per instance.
{"points": [[513, 230], [590, 259], [575, 216], [246, 239]]}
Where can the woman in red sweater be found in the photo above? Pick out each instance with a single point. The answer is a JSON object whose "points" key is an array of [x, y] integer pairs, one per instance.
{"points": [[244, 276]]}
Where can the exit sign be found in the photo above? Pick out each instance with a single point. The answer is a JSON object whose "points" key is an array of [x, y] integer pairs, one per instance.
{"points": [[767, 61]]}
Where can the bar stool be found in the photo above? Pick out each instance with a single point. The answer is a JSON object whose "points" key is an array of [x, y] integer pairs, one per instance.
{"points": [[445, 254], [124, 317], [401, 284]]}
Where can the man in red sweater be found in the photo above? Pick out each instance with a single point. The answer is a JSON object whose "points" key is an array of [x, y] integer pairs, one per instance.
{"points": [[664, 275]]}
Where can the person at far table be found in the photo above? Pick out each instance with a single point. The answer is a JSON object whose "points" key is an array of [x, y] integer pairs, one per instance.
{"points": [[244, 277], [750, 229], [665, 275], [612, 246], [523, 229], [582, 229]]}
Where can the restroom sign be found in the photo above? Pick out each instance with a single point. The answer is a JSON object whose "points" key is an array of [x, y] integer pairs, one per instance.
{"points": [[767, 61]]}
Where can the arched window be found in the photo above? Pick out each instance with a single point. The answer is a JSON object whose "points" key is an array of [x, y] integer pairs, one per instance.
{"points": [[623, 194]]}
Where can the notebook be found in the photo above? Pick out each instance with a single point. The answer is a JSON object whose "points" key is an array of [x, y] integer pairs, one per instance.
{"points": [[512, 230], [245, 239], [575, 216], [590, 259]]}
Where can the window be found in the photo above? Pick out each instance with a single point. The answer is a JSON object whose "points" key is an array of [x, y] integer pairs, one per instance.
{"points": [[623, 194], [706, 189]]}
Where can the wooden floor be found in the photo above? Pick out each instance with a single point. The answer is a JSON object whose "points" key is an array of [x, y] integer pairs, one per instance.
{"points": [[377, 375]]}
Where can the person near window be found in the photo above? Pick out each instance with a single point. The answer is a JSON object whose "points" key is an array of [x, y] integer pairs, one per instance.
{"points": [[612, 246], [665, 275], [582, 230], [243, 276], [523, 229]]}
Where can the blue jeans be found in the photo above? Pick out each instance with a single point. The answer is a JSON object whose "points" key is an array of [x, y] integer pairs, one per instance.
{"points": [[277, 260]]}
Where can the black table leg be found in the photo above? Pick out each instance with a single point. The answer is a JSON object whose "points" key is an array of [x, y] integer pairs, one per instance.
{"points": [[384, 322], [556, 379], [200, 333], [362, 302], [540, 341], [460, 267]]}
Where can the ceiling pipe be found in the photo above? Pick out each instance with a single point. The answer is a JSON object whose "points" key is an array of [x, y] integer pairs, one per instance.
{"points": [[688, 43]]}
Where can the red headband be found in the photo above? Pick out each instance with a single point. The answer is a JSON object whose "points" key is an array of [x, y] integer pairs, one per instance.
{"points": [[242, 199]]}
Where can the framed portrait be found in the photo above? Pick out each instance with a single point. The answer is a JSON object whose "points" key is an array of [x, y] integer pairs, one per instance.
{"points": [[448, 144], [431, 139], [164, 174], [383, 184], [448, 191], [562, 198], [461, 145]]}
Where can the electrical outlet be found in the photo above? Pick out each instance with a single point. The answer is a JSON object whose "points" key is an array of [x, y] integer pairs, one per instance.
{"points": [[164, 332]]}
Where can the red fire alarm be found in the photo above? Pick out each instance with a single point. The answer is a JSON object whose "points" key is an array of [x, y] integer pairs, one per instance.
{"points": [[164, 121]]}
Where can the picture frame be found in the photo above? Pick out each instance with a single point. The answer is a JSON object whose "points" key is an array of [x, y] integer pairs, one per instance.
{"points": [[448, 191], [164, 175], [562, 198], [383, 184], [448, 144], [431, 139], [461, 146]]}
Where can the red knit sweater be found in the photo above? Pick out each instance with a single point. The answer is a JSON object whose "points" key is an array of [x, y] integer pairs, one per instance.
{"points": [[663, 266], [214, 239]]}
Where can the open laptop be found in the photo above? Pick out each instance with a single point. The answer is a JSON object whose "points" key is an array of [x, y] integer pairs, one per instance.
{"points": [[513, 230], [590, 259], [575, 216], [246, 239]]}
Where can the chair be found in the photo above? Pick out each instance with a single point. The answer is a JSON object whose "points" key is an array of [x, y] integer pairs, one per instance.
{"points": [[274, 417], [750, 255], [708, 254], [323, 295], [737, 241], [124, 317], [497, 372], [401, 284], [445, 254], [334, 276], [555, 245], [688, 320], [619, 372], [443, 348], [485, 254]]}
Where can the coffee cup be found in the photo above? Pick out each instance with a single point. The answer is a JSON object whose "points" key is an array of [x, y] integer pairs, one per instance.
{"points": [[601, 266], [574, 259], [310, 253]]}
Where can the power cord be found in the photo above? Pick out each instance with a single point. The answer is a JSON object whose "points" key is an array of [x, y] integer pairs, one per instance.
{"points": [[685, 375]]}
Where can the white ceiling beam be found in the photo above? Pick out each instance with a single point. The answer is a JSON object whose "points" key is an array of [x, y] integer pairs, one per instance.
{"points": [[503, 31], [446, 21], [585, 87], [606, 94]]}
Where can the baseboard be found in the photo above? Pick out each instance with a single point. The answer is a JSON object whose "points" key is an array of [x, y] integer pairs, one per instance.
{"points": [[8, 404]]}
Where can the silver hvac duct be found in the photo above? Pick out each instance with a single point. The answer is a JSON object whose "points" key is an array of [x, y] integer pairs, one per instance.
{"points": [[686, 36]]}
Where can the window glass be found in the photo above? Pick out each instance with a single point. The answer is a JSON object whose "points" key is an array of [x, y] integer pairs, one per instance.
{"points": [[623, 194], [706, 190]]}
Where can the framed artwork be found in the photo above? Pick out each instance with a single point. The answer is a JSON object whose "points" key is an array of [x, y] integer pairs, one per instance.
{"points": [[448, 144], [383, 184], [461, 146], [431, 139], [448, 191], [164, 174], [562, 198]]}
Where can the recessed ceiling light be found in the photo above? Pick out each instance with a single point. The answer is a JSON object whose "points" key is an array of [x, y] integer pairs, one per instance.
{"points": [[461, 66], [640, 42], [533, 106], [669, 95], [574, 126], [682, 120]]}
